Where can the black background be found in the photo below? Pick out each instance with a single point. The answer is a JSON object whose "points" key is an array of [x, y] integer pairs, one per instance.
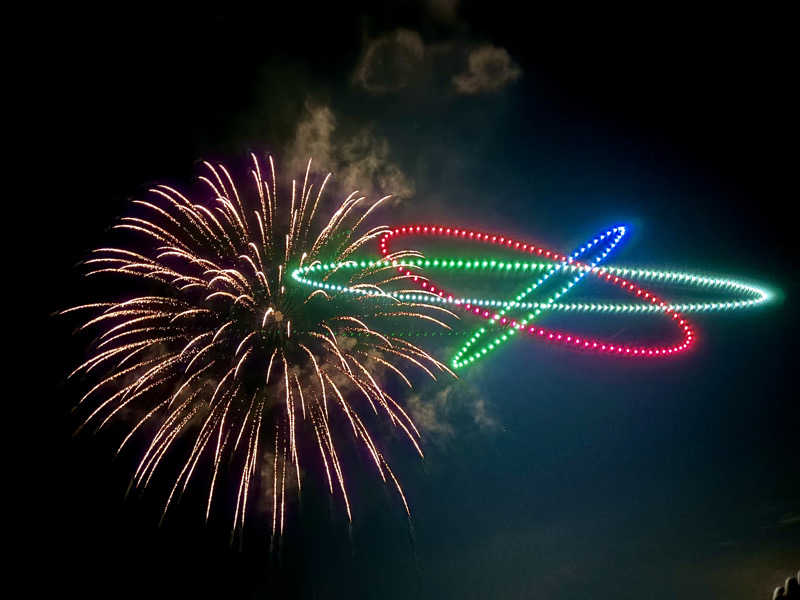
{"points": [[127, 97]]}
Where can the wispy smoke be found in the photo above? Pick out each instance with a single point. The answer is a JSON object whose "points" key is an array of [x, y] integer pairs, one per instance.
{"points": [[401, 60], [489, 69], [360, 159], [391, 62], [436, 413]]}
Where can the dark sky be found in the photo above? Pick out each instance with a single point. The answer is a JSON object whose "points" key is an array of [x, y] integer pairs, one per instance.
{"points": [[548, 474]]}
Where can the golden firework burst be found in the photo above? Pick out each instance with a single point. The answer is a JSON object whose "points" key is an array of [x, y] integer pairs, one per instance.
{"points": [[220, 350]]}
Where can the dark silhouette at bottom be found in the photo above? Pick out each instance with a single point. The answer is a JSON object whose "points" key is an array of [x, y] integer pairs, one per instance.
{"points": [[789, 590]]}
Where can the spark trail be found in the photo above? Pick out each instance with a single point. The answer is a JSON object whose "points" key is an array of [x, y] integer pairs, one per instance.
{"points": [[212, 346]]}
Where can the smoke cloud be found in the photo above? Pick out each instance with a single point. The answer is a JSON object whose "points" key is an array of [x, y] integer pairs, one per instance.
{"points": [[359, 159]]}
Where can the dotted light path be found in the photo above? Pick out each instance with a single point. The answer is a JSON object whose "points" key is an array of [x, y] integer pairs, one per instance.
{"points": [[605, 242], [495, 311], [751, 295]]}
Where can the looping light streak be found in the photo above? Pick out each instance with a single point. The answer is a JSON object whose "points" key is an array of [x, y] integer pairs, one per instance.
{"points": [[751, 295], [495, 311], [471, 351]]}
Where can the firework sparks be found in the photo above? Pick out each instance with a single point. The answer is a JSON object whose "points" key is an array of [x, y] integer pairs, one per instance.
{"points": [[225, 354]]}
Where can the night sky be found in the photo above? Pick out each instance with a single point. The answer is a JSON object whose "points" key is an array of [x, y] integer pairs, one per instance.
{"points": [[548, 474]]}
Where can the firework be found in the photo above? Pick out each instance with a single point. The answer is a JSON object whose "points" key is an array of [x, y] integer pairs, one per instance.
{"points": [[213, 346], [498, 313]]}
